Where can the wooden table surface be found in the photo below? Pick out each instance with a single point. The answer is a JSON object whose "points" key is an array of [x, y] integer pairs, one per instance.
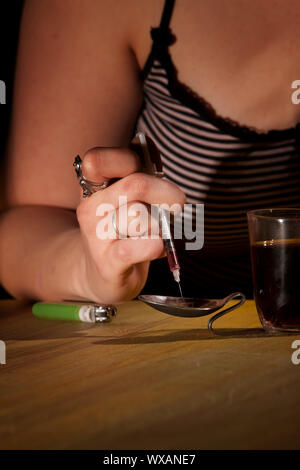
{"points": [[146, 381]]}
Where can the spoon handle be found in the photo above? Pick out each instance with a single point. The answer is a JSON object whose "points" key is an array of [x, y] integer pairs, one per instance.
{"points": [[235, 295]]}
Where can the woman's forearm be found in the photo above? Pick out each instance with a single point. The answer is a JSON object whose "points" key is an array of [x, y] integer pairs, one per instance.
{"points": [[41, 254]]}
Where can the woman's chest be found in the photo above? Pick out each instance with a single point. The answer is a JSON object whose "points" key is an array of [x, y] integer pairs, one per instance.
{"points": [[241, 57]]}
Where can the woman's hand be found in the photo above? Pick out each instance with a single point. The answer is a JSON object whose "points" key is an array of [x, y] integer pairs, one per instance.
{"points": [[117, 269]]}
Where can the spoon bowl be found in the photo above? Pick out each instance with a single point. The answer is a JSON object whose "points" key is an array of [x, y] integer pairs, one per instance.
{"points": [[183, 307], [191, 307]]}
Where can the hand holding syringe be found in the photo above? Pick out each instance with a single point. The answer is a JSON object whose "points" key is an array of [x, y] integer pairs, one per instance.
{"points": [[116, 268]]}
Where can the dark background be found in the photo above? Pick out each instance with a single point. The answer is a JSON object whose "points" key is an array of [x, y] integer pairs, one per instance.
{"points": [[11, 11]]}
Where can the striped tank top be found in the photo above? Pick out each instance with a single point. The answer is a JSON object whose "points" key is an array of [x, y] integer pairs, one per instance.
{"points": [[229, 168]]}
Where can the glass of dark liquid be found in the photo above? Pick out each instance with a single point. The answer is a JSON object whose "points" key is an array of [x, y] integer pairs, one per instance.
{"points": [[275, 256]]}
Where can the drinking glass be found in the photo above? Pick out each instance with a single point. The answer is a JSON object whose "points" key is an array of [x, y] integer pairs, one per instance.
{"points": [[275, 257]]}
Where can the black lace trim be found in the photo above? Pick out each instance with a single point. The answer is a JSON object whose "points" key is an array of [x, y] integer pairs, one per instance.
{"points": [[162, 39]]}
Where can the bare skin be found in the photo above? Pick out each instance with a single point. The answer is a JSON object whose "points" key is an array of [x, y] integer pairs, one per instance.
{"points": [[78, 88]]}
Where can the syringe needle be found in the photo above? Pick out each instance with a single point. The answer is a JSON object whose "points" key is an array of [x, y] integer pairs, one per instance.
{"points": [[176, 274], [179, 285]]}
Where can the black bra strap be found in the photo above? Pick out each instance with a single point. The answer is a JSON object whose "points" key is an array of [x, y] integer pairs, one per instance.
{"points": [[162, 37], [166, 15]]}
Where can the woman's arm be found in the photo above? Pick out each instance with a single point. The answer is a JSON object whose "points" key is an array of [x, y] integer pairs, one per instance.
{"points": [[41, 253], [77, 86]]}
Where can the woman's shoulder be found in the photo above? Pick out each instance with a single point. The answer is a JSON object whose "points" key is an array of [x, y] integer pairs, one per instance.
{"points": [[126, 23]]}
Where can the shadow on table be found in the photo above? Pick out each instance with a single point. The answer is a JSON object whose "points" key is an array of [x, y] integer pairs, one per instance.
{"points": [[48, 330], [193, 335], [80, 331]]}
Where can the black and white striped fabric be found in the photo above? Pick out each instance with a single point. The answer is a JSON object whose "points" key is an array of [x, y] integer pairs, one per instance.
{"points": [[229, 168]]}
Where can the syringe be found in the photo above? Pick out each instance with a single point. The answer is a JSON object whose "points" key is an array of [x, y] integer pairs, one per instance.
{"points": [[170, 247], [152, 165]]}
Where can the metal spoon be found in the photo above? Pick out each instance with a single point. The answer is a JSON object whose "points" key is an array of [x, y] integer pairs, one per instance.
{"points": [[190, 307]]}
